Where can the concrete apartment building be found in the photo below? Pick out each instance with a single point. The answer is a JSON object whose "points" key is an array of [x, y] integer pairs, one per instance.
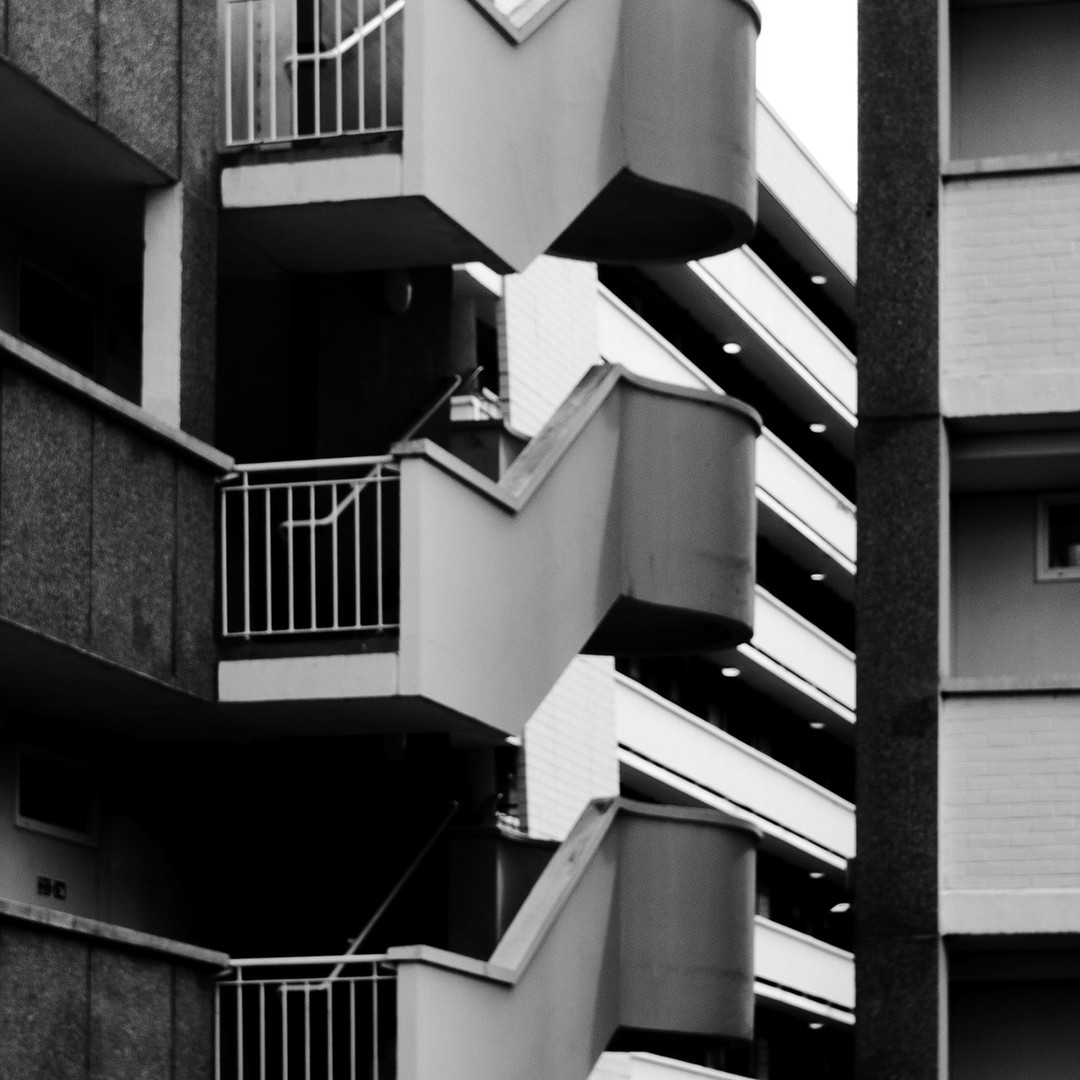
{"points": [[381, 542], [968, 884]]}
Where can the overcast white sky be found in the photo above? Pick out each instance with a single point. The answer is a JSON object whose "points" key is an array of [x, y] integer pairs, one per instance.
{"points": [[806, 72]]}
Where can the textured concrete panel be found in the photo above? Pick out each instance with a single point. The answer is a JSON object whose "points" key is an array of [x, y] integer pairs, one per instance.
{"points": [[45, 509], [43, 1006], [138, 89], [130, 1017], [134, 550], [899, 168], [198, 327], [898, 1036], [201, 93], [196, 581], [56, 40], [898, 613], [193, 1025]]}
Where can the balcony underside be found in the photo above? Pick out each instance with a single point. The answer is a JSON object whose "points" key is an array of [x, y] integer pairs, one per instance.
{"points": [[619, 131], [343, 230], [638, 220], [67, 179]]}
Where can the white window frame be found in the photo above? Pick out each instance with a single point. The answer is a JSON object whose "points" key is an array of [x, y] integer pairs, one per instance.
{"points": [[1043, 570], [90, 837]]}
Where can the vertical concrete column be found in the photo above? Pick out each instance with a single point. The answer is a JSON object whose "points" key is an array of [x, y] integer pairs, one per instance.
{"points": [[900, 977], [163, 237]]}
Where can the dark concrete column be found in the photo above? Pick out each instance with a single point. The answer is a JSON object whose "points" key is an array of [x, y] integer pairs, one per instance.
{"points": [[900, 988]]}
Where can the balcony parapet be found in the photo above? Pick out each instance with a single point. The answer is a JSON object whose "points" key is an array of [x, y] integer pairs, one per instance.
{"points": [[596, 539], [788, 962], [660, 731], [108, 543], [621, 131], [609, 937]]}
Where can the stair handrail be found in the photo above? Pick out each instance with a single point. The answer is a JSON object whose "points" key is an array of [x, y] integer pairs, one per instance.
{"points": [[360, 483], [352, 40], [357, 941]]}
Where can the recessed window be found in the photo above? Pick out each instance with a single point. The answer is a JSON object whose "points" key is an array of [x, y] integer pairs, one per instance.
{"points": [[1058, 538], [56, 795]]}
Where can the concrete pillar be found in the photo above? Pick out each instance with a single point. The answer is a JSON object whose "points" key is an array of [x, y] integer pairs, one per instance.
{"points": [[163, 233]]}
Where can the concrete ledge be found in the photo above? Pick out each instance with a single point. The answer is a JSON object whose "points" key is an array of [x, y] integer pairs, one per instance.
{"points": [[97, 396], [107, 933], [974, 685], [1010, 911]]}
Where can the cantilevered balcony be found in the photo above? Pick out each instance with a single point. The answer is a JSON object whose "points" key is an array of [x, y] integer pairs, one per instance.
{"points": [[380, 133], [414, 584], [641, 923]]}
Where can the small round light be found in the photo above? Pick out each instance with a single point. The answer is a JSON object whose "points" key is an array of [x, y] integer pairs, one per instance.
{"points": [[815, 1025], [732, 348], [817, 427], [817, 875], [818, 279], [839, 909], [816, 725], [730, 672], [817, 576]]}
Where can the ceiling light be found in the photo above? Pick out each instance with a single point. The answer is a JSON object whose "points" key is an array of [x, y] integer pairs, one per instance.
{"points": [[732, 348], [815, 1025], [817, 576], [816, 725], [730, 672], [839, 909], [817, 427], [818, 279], [817, 875]]}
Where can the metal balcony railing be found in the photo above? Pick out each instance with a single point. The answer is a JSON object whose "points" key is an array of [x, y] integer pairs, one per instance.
{"points": [[280, 1019], [303, 69], [314, 553]]}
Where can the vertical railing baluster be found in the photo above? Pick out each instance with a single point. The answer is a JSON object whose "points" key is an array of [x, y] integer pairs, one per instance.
{"points": [[375, 1020], [251, 70], [307, 1031], [262, 1030], [379, 545], [239, 1027], [246, 495], [361, 68], [217, 1031], [338, 74], [311, 559], [357, 619], [284, 1033], [272, 45], [230, 70], [382, 63], [334, 552], [267, 554], [291, 557], [316, 50], [330, 1032], [352, 1029], [295, 20]]}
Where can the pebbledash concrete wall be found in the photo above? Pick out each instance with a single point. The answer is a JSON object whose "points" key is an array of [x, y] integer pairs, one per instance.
{"points": [[548, 336], [106, 534], [80, 1000], [900, 456], [1010, 294]]}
